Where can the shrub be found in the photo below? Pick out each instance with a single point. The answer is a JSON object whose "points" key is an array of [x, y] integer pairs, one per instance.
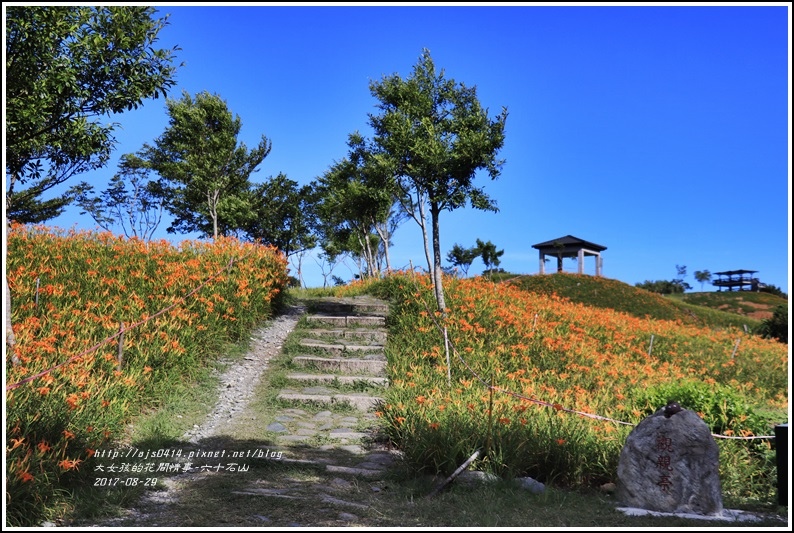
{"points": [[776, 327]]}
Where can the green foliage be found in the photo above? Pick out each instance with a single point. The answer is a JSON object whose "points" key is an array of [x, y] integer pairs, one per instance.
{"points": [[283, 215], [435, 136], [777, 326], [720, 406], [702, 276], [674, 286], [490, 257], [662, 286], [206, 170], [356, 197], [67, 67], [462, 257], [773, 289]]}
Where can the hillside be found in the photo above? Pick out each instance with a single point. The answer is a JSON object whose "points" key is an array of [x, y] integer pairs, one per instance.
{"points": [[758, 305], [702, 309], [588, 350]]}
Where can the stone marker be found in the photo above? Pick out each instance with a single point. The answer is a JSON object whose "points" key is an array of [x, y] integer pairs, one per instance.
{"points": [[670, 463]]}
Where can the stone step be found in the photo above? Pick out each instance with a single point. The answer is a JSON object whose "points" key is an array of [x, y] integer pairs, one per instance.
{"points": [[346, 321], [374, 335], [356, 472], [344, 380], [339, 347], [348, 307], [356, 366], [362, 402]]}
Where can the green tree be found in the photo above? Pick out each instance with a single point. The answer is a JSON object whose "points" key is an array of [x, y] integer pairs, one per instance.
{"points": [[462, 257], [434, 135], [490, 256], [283, 215], [356, 207], [132, 201], [773, 289], [702, 276], [67, 68], [681, 271], [206, 170]]}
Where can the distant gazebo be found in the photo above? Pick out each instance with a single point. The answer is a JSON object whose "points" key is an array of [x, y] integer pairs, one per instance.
{"points": [[569, 246], [743, 279]]}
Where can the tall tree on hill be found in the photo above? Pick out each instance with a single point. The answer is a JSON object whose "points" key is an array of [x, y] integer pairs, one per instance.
{"points": [[703, 276], [68, 67], [434, 135], [207, 171], [490, 256], [356, 199]]}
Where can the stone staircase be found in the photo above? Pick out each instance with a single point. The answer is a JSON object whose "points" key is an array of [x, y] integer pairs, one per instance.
{"points": [[341, 365]]}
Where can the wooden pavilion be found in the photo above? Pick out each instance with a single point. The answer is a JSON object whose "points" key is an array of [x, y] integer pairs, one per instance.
{"points": [[743, 279], [569, 246]]}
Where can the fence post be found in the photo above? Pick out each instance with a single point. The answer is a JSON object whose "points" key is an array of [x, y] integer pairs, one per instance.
{"points": [[736, 347], [446, 350], [121, 346], [650, 348], [37, 291], [781, 452]]}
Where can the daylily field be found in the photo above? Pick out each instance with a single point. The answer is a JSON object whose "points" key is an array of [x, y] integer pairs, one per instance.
{"points": [[74, 296], [550, 389], [542, 386]]}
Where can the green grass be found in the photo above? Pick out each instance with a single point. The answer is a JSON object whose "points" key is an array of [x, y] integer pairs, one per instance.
{"points": [[738, 302], [693, 309]]}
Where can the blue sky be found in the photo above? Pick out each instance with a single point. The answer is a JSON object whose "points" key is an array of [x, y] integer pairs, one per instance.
{"points": [[660, 132]]}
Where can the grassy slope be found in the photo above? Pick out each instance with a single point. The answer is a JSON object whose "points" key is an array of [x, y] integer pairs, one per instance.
{"points": [[700, 309], [758, 305]]}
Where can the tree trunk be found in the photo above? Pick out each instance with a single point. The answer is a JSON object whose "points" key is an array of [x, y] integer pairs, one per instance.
{"points": [[212, 200], [384, 237], [10, 339], [407, 203], [435, 211], [423, 225]]}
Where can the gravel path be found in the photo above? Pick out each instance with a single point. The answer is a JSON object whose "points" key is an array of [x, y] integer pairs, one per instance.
{"points": [[347, 475], [239, 381]]}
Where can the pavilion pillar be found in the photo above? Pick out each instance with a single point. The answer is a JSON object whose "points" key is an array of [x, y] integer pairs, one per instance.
{"points": [[599, 264], [542, 262], [580, 260]]}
